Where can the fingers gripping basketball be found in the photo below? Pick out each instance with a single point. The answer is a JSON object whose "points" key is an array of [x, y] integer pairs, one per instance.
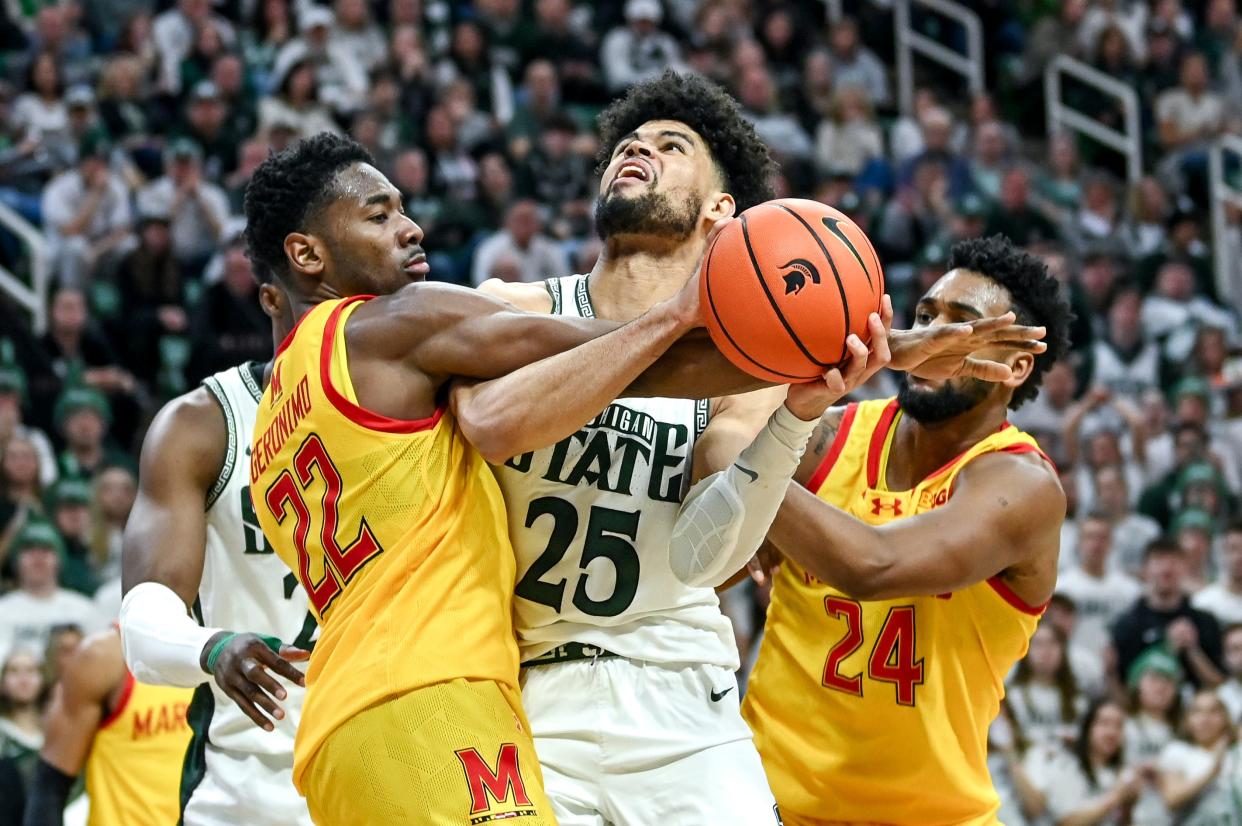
{"points": [[784, 286]]}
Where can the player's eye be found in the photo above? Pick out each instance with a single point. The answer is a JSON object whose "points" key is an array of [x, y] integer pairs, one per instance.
{"points": [[923, 318], [380, 218], [676, 147]]}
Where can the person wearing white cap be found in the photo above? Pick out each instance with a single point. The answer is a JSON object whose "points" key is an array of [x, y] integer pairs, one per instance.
{"points": [[639, 50], [339, 76]]}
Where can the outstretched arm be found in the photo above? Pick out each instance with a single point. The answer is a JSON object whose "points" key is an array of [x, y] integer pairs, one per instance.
{"points": [[90, 678], [1006, 511], [162, 565]]}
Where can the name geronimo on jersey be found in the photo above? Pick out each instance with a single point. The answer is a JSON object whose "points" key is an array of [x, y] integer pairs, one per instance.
{"points": [[286, 421]]}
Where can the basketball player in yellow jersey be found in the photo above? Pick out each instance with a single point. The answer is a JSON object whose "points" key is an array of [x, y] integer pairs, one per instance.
{"points": [[368, 489], [131, 737], [921, 549]]}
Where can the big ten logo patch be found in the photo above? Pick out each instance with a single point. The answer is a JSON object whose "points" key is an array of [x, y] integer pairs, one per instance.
{"points": [[929, 500], [502, 788]]}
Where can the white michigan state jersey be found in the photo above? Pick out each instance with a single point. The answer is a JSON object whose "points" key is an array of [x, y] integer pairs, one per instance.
{"points": [[590, 519], [245, 587]]}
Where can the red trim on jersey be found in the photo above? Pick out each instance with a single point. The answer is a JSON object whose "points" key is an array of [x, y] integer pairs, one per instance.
{"points": [[878, 437], [126, 693], [356, 413], [1026, 447], [838, 444], [289, 338], [1006, 593]]}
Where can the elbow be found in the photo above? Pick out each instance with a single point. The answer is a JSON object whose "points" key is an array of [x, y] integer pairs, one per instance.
{"points": [[863, 581], [488, 429]]}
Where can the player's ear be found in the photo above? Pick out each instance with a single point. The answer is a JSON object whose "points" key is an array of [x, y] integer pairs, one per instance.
{"points": [[304, 254], [273, 300], [718, 206], [1020, 366]]}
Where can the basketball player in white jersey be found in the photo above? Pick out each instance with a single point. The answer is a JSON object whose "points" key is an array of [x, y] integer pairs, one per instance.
{"points": [[193, 547], [629, 680]]}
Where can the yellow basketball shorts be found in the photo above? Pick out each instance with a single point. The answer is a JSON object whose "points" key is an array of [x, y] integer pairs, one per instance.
{"points": [[451, 754]]}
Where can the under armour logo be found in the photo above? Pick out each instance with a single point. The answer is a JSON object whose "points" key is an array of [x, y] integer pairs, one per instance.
{"points": [[878, 504], [796, 278]]}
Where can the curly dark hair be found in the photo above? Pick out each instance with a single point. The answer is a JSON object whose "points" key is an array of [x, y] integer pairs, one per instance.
{"points": [[1036, 294], [742, 159], [286, 190]]}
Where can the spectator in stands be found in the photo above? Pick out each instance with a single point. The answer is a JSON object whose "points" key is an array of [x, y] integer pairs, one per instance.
{"points": [[1194, 530], [571, 50], [40, 113], [197, 209], [454, 174], [1190, 114], [992, 157], [1164, 614], [818, 100], [295, 102], [1230, 691], [357, 34], [522, 238], [266, 33], [23, 695], [126, 112], [152, 287], [1051, 35], [227, 325], [12, 422], [1097, 226], [82, 419], [552, 173], [1058, 186], [175, 33], [1199, 775], [1015, 216], [70, 513], [639, 50], [1043, 695], [851, 138], [1124, 360], [209, 124], [1175, 309], [1088, 784], [28, 613], [86, 214], [1145, 228], [470, 59], [853, 64], [1153, 684], [340, 79], [937, 129], [781, 131], [1044, 415], [1099, 591], [537, 104], [21, 493], [115, 491], [1132, 531]]}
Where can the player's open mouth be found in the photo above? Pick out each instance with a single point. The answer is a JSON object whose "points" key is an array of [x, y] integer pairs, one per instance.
{"points": [[633, 170]]}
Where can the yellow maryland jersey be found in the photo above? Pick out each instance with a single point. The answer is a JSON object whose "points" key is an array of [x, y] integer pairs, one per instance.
{"points": [[877, 712], [395, 528], [133, 773]]}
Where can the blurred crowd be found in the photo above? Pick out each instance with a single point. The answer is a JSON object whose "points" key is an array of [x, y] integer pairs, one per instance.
{"points": [[129, 129]]}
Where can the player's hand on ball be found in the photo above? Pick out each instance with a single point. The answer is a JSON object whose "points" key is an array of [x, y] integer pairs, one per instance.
{"points": [[947, 351], [241, 671], [809, 401]]}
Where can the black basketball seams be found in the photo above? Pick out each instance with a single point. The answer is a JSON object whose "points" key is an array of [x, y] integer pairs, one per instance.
{"points": [[776, 307], [711, 303], [845, 302]]}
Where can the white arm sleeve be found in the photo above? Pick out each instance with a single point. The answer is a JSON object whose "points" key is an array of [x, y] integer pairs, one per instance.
{"points": [[160, 642], [726, 515]]}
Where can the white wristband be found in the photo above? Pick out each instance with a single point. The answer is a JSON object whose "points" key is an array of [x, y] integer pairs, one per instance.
{"points": [[160, 641]]}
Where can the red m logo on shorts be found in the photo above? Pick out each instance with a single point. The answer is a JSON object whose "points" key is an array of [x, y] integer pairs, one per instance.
{"points": [[499, 784]]}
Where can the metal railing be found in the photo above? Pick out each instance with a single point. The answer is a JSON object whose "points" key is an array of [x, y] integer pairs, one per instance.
{"points": [[1060, 116], [910, 41], [32, 296], [1222, 192]]}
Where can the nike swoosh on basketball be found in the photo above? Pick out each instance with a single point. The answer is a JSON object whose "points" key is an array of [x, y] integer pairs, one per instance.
{"points": [[717, 696], [754, 477]]}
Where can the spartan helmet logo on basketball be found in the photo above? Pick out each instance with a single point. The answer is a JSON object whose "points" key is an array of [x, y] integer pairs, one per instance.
{"points": [[796, 278]]}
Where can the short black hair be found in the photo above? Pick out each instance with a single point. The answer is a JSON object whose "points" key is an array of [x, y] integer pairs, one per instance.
{"points": [[1163, 545], [286, 189], [1037, 298], [741, 157]]}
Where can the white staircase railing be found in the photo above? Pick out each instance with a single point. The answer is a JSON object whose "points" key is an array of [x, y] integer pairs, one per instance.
{"points": [[1128, 142], [910, 41], [32, 296], [1222, 192]]}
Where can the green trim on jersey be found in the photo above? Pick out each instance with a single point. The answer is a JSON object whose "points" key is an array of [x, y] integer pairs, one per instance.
{"points": [[194, 768], [252, 376], [230, 456], [583, 297], [553, 286]]}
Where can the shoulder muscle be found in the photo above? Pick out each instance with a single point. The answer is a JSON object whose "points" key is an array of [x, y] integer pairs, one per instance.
{"points": [[532, 297]]}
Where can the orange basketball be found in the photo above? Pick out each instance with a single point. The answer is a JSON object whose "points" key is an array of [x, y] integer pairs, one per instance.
{"points": [[785, 284]]}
